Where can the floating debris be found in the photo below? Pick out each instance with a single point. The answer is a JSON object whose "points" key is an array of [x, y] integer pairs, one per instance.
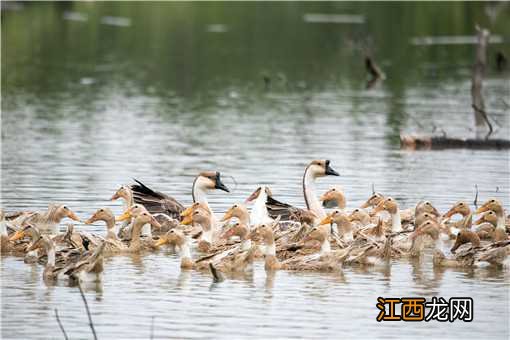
{"points": [[217, 28], [318, 18], [75, 16], [116, 21], [453, 40], [87, 81]]}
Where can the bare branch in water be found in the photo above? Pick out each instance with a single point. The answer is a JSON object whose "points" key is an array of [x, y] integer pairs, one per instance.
{"points": [[373, 189], [88, 312], [152, 327], [475, 202], [60, 325], [486, 118]]}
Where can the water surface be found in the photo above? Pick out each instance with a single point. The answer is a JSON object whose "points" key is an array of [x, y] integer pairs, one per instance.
{"points": [[96, 94]]}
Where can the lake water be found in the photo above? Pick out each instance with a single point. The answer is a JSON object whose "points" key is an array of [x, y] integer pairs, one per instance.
{"points": [[96, 94]]}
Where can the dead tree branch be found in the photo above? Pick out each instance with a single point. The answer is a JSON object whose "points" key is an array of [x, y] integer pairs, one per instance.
{"points": [[88, 313], [60, 325]]}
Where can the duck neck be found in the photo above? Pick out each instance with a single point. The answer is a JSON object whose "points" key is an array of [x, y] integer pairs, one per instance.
{"points": [[270, 249], [3, 229], [207, 233], [396, 224], [50, 251], [185, 250], [245, 244], [199, 194], [244, 217], [311, 200], [128, 200], [259, 212], [110, 228], [135, 234], [500, 222], [325, 247], [147, 230]]}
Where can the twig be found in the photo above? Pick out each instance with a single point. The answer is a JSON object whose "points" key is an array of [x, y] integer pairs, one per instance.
{"points": [[373, 189], [475, 202], [60, 325], [484, 115], [88, 312], [152, 327]]}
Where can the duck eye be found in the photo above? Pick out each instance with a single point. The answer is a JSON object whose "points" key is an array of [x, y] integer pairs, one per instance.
{"points": [[333, 189], [101, 210], [492, 201], [235, 205]]}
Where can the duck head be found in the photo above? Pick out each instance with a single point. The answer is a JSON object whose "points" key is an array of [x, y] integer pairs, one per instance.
{"points": [[426, 206], [187, 214], [173, 237], [492, 204], [373, 200], [133, 211], [257, 192], [123, 192], [334, 197], [460, 207], [490, 216], [29, 230], [466, 236], [101, 214], [63, 211], [428, 227], [238, 229], [389, 204], [237, 210]]}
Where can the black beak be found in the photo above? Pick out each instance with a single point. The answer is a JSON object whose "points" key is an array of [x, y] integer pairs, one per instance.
{"points": [[330, 171], [219, 184]]}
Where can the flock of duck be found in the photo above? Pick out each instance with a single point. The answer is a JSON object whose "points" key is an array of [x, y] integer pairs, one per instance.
{"points": [[324, 236]]}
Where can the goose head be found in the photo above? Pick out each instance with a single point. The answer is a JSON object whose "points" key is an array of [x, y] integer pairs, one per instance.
{"points": [[258, 192], [389, 204], [334, 197], [321, 168], [466, 236], [490, 216], [492, 204], [373, 200], [237, 210], [210, 180], [102, 214], [123, 192], [458, 208]]}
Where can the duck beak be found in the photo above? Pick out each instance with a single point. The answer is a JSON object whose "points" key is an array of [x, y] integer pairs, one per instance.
{"points": [[482, 209], [219, 184], [326, 220], [253, 196], [450, 213], [187, 220], [114, 197], [330, 171], [379, 207], [186, 212], [73, 216], [324, 197], [480, 221], [153, 222], [125, 216], [227, 216], [91, 220], [365, 205], [17, 235], [161, 241]]}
